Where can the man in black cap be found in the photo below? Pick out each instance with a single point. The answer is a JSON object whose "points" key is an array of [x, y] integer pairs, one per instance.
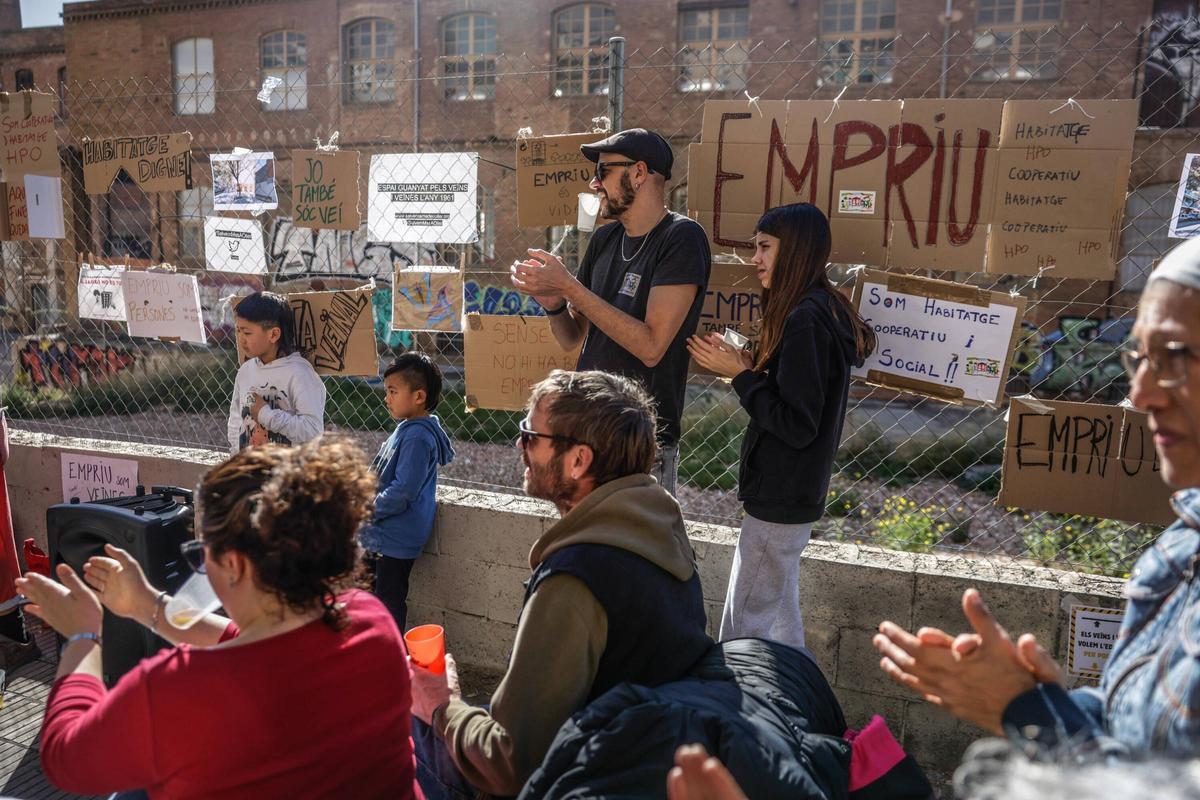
{"points": [[639, 290]]}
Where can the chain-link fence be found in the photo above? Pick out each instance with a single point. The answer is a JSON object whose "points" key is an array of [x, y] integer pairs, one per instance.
{"points": [[913, 473]]}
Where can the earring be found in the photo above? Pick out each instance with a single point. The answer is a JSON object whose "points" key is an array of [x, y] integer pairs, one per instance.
{"points": [[232, 582]]}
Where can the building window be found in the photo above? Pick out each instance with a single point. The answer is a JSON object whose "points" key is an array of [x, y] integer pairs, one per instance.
{"points": [[714, 48], [1017, 39], [581, 35], [370, 71], [284, 57], [195, 82], [857, 41], [62, 91], [469, 52], [1144, 239], [24, 79], [192, 206]]}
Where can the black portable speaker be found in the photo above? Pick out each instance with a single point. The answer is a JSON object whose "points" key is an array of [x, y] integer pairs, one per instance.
{"points": [[149, 526]]}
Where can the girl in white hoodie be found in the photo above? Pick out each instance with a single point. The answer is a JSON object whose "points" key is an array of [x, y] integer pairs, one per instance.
{"points": [[277, 395]]}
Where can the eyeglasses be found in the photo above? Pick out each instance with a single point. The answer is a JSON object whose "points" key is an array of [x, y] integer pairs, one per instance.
{"points": [[603, 165], [527, 434], [193, 553], [1168, 363]]}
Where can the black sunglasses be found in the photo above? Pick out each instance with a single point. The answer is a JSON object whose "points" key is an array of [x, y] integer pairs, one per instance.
{"points": [[603, 165], [528, 434], [193, 553]]}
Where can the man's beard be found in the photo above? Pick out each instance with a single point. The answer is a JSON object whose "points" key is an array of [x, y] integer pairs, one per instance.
{"points": [[547, 482], [614, 207]]}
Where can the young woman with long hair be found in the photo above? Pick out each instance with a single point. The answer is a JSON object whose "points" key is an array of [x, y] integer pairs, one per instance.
{"points": [[794, 387]]}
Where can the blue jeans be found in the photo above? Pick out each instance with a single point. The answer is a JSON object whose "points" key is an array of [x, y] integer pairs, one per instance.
{"points": [[436, 773]]}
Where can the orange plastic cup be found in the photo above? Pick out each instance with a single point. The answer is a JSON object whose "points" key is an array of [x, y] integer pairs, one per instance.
{"points": [[427, 647]]}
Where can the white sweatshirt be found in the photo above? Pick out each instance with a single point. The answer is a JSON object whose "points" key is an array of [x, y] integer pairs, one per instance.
{"points": [[295, 409]]}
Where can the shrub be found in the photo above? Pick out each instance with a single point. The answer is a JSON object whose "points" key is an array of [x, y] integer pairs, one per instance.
{"points": [[1087, 544]]}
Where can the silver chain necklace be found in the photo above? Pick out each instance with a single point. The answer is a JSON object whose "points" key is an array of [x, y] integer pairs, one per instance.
{"points": [[645, 239]]}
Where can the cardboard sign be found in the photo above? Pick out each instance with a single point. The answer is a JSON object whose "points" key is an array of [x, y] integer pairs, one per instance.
{"points": [[1185, 219], [505, 356], [91, 477], [163, 305], [551, 172], [325, 189], [157, 163], [244, 181], [1082, 458], [1061, 178], [1094, 633], [234, 245], [99, 293], [949, 341], [427, 299], [912, 184], [733, 299], [423, 197], [335, 330], [28, 141]]}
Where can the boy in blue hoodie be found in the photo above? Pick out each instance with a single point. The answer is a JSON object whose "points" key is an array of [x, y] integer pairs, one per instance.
{"points": [[407, 466]]}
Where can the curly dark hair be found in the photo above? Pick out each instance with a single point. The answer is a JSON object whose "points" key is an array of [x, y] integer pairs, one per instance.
{"points": [[293, 512]]}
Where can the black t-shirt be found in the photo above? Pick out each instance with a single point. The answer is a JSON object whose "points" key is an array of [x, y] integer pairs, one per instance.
{"points": [[673, 253]]}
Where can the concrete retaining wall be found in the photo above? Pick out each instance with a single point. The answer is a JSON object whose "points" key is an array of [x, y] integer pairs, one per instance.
{"points": [[470, 577]]}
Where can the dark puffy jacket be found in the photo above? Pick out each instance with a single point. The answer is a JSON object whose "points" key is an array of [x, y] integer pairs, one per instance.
{"points": [[763, 708]]}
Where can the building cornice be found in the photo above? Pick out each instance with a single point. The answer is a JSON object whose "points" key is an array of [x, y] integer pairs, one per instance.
{"points": [[115, 9]]}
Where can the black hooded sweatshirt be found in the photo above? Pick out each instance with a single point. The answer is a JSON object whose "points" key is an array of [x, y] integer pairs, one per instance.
{"points": [[797, 405]]}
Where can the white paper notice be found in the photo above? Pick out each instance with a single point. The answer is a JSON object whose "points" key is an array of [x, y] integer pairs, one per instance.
{"points": [[163, 305], [1185, 221], [423, 197], [100, 294], [938, 341], [234, 245], [90, 477], [43, 196], [1093, 635]]}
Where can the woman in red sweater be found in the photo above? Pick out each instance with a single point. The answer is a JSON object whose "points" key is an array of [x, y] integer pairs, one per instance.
{"points": [[302, 692]]}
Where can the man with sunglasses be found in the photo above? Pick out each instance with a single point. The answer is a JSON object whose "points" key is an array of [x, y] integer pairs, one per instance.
{"points": [[1148, 701], [641, 284], [614, 594]]}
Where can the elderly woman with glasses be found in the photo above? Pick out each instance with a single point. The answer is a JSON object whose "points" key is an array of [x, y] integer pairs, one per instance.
{"points": [[1148, 701], [303, 691]]}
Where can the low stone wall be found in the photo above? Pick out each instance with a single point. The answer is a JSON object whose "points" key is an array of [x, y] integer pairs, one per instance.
{"points": [[470, 580]]}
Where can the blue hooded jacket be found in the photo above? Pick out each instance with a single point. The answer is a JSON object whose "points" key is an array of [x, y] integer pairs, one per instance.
{"points": [[407, 466]]}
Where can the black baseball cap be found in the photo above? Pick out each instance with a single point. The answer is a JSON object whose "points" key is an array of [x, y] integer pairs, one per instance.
{"points": [[638, 144]]}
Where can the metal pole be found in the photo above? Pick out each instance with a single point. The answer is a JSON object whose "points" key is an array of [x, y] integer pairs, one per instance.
{"points": [[616, 82]]}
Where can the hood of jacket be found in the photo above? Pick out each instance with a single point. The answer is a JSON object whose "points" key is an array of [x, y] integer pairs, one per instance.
{"points": [[838, 324], [445, 450], [633, 513], [282, 364]]}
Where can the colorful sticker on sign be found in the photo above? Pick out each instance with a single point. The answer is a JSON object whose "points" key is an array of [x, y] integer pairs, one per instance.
{"points": [[856, 202]]}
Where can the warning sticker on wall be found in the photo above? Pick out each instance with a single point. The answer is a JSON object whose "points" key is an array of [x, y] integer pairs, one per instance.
{"points": [[1093, 635]]}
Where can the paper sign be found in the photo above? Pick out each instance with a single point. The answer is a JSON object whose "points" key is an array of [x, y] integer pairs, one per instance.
{"points": [[234, 245], [1082, 458], [1094, 633], [427, 299], [91, 477], [325, 189], [163, 305], [28, 141], [944, 340], [157, 163], [551, 172], [100, 295], [423, 197], [244, 182], [1185, 220], [505, 356], [335, 330], [733, 300], [43, 198]]}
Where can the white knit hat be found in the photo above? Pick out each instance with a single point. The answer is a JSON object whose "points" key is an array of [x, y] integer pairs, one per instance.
{"points": [[1181, 265]]}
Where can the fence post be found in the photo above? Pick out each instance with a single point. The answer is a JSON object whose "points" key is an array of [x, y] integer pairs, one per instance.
{"points": [[616, 82]]}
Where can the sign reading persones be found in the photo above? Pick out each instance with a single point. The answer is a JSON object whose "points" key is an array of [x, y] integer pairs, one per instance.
{"points": [[156, 163], [234, 245], [915, 183], [325, 189], [163, 305], [505, 356], [1083, 458], [423, 197], [950, 341], [551, 173]]}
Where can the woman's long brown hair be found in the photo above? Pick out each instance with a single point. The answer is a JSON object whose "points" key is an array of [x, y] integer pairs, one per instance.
{"points": [[804, 246]]}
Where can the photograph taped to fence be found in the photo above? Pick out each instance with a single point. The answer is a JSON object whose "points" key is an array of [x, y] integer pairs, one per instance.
{"points": [[423, 197], [1185, 219], [244, 182], [234, 245]]}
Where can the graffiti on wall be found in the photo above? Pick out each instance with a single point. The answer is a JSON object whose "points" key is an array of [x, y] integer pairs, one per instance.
{"points": [[301, 253], [497, 298], [54, 363], [1079, 360]]}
